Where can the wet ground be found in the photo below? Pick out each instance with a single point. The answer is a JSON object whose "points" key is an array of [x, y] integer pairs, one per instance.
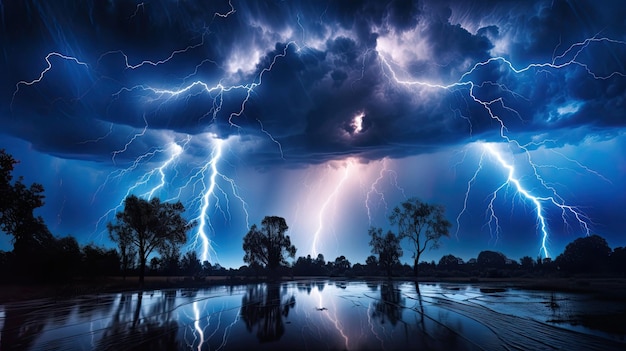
{"points": [[319, 315]]}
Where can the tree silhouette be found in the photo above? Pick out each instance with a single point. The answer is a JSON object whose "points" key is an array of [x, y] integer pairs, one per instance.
{"points": [[340, 266], [617, 260], [491, 259], [266, 246], [68, 258], [371, 262], [99, 261], [170, 260], [527, 263], [31, 237], [586, 254], [320, 261], [449, 262], [128, 254], [422, 224], [149, 226], [387, 247], [190, 263], [34, 247]]}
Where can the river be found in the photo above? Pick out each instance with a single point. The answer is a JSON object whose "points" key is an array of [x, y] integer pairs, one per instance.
{"points": [[314, 315]]}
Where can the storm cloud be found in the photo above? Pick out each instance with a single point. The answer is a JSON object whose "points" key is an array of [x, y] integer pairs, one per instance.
{"points": [[299, 73]]}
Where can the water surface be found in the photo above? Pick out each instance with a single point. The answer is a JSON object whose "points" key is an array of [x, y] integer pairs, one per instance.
{"points": [[311, 315]]}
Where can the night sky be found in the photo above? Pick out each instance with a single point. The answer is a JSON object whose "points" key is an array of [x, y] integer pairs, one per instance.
{"points": [[327, 113]]}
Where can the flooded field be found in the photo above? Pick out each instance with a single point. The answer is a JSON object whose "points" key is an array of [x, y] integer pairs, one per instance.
{"points": [[317, 315]]}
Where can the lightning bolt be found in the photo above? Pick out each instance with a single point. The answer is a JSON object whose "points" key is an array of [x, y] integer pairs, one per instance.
{"points": [[208, 178], [207, 193], [44, 71], [585, 168], [216, 91], [230, 12], [375, 192], [132, 139], [175, 151], [322, 212], [467, 193], [100, 138], [537, 201], [139, 6], [569, 57]]}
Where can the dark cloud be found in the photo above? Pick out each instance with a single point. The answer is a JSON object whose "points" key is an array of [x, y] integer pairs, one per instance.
{"points": [[326, 67]]}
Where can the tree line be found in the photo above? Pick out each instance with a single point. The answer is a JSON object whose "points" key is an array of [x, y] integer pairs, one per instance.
{"points": [[149, 235], [141, 229], [420, 223], [423, 225]]}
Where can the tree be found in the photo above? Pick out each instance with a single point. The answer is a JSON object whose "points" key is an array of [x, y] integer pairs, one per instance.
{"points": [[319, 265], [267, 245], [98, 261], [342, 263], [320, 261], [190, 263], [617, 260], [67, 258], [303, 265], [170, 260], [128, 254], [588, 254], [422, 224], [149, 226], [155, 264], [206, 267], [491, 259], [309, 266], [372, 262], [31, 237], [449, 262], [387, 247], [527, 263]]}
